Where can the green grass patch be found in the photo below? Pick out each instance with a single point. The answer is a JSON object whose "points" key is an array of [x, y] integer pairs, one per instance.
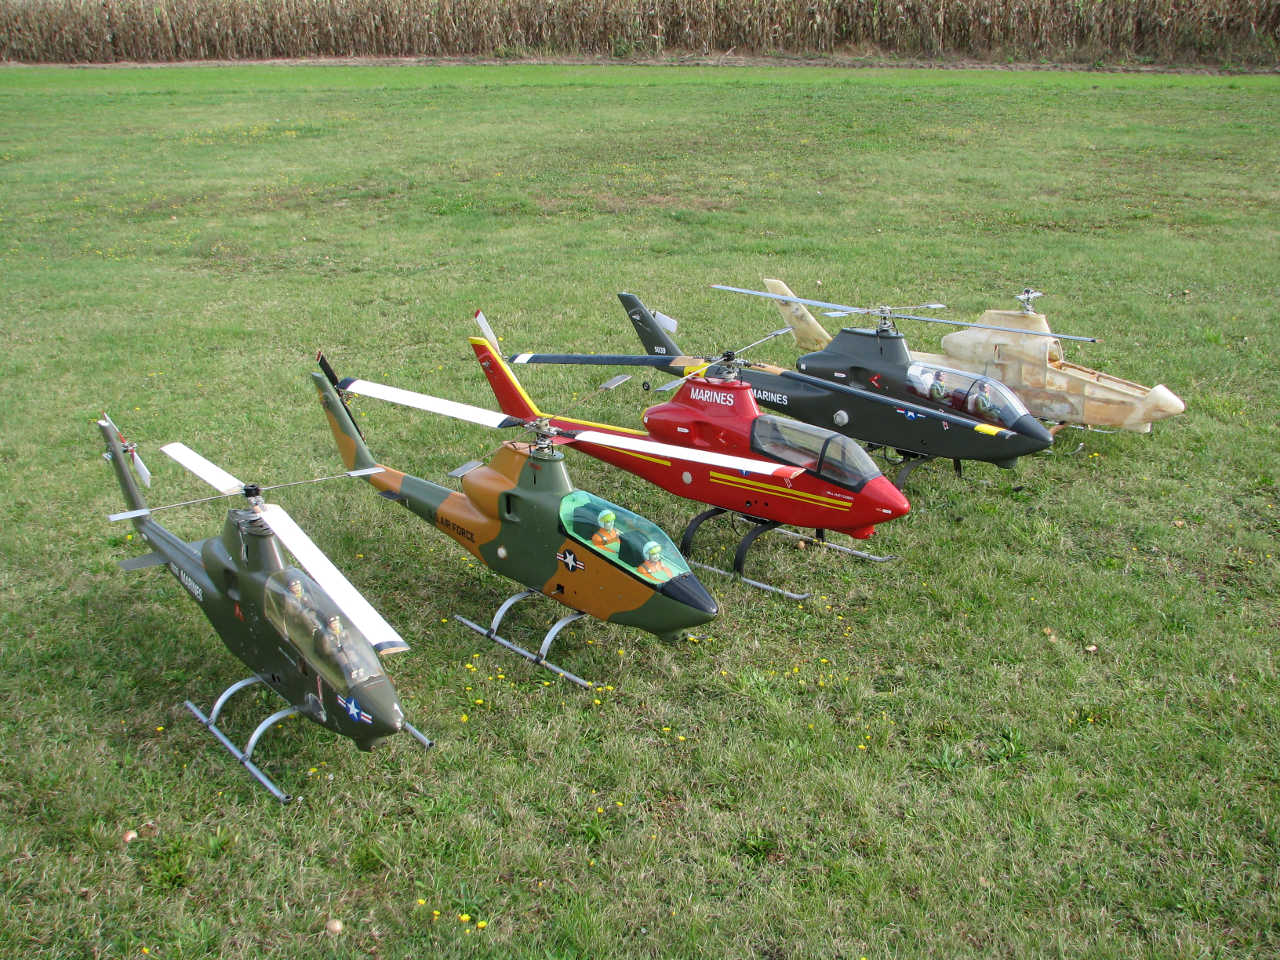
{"points": [[1049, 728]]}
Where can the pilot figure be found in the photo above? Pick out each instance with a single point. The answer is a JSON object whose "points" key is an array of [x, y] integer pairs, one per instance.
{"points": [[654, 567], [606, 538], [937, 388], [983, 405], [330, 642]]}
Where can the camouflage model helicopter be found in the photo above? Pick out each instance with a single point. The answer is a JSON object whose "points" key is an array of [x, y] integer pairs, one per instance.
{"points": [[1019, 348], [838, 488], [919, 433], [520, 516], [306, 633]]}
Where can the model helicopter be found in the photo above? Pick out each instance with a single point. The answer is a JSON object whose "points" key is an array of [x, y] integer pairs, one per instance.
{"points": [[520, 516], [838, 490], [306, 633], [879, 360], [917, 432], [1015, 345]]}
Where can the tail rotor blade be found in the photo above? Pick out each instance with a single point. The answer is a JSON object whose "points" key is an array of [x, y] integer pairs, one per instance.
{"points": [[143, 473], [486, 330]]}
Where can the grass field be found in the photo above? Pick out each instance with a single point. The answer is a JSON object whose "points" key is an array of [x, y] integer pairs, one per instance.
{"points": [[1049, 728]]}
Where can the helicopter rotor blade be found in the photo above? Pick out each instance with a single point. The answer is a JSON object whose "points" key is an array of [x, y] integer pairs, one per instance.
{"points": [[596, 359], [358, 611], [209, 472], [888, 311], [422, 401], [729, 356], [845, 309], [987, 326], [710, 458]]}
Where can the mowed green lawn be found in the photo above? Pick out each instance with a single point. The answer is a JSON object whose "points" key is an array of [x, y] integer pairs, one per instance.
{"points": [[1049, 728]]}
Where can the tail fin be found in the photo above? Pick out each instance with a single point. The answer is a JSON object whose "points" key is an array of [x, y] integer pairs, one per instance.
{"points": [[512, 398], [120, 458], [809, 334], [355, 455], [653, 334]]}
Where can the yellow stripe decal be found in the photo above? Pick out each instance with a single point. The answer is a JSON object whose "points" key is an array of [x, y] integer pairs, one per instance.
{"points": [[988, 429], [632, 453], [769, 489]]}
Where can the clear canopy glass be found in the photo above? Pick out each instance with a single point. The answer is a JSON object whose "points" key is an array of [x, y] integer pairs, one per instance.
{"points": [[620, 536], [831, 455], [980, 397], [303, 613]]}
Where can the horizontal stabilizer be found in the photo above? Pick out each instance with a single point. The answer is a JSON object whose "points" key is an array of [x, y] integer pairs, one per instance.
{"points": [[129, 514], [142, 562]]}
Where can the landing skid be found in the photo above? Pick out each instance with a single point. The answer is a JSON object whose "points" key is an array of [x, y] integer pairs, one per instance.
{"points": [[244, 755], [820, 537], [758, 528], [539, 658]]}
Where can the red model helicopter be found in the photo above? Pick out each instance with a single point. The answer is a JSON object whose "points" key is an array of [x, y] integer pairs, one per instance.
{"points": [[840, 489]]}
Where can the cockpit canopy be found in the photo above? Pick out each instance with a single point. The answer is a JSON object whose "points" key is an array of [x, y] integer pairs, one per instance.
{"points": [[831, 455], [980, 397], [621, 538], [303, 613]]}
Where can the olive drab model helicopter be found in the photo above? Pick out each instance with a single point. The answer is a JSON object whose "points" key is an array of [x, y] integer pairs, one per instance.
{"points": [[520, 516], [918, 432], [1015, 346], [306, 633], [837, 489]]}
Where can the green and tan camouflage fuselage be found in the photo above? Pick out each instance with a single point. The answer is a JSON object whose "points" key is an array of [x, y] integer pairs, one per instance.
{"points": [[509, 516]]}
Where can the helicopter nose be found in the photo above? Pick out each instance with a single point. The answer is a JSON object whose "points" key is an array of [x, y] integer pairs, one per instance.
{"points": [[886, 499], [1162, 402], [688, 590], [1033, 430]]}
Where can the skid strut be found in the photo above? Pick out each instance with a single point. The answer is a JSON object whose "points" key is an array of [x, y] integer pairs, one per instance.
{"points": [[539, 658], [739, 556], [244, 756]]}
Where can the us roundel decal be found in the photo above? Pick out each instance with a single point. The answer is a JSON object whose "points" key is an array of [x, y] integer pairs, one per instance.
{"points": [[570, 560]]}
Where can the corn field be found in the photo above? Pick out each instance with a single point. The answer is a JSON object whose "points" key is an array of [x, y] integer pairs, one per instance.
{"points": [[1165, 31]]}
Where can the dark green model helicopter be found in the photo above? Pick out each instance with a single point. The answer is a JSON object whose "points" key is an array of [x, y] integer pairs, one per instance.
{"points": [[306, 633]]}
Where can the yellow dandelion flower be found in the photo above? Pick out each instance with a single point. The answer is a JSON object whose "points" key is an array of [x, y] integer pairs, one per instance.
{"points": [[481, 924], [421, 902], [463, 718], [464, 918]]}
